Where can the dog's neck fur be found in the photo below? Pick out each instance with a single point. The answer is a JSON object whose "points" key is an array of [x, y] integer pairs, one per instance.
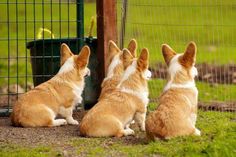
{"points": [[68, 76], [132, 85], [114, 75], [116, 62], [187, 82]]}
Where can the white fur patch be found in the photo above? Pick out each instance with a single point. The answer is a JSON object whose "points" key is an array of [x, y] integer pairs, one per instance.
{"points": [[193, 118], [65, 112], [147, 74], [143, 96], [190, 84], [53, 115], [115, 61], [193, 72], [67, 66], [174, 66], [129, 71], [77, 90]]}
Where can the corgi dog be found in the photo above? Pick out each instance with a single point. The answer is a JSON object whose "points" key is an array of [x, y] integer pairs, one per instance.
{"points": [[114, 112], [58, 96], [116, 61], [176, 114]]}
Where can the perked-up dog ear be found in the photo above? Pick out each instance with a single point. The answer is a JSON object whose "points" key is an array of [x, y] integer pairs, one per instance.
{"points": [[113, 48], [83, 57], [168, 53], [132, 47], [65, 53], [112, 51], [189, 57], [143, 62], [127, 58]]}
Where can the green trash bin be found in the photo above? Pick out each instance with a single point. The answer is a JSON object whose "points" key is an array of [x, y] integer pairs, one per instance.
{"points": [[45, 61]]}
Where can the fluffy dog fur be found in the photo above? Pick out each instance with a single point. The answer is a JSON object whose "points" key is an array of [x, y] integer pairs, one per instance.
{"points": [[115, 111], [117, 63], [40, 106], [176, 114]]}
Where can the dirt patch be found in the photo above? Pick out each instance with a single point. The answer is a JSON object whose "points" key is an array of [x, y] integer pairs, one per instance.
{"points": [[31, 136], [58, 137], [218, 106], [5, 100], [224, 74]]}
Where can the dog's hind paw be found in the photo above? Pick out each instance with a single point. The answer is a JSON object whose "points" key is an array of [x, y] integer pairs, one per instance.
{"points": [[128, 132], [197, 132]]}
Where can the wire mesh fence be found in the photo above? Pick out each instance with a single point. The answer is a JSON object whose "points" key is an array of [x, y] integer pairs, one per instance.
{"points": [[29, 31], [210, 24]]}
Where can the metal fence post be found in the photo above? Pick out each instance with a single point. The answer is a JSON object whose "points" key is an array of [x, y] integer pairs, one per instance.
{"points": [[80, 22]]}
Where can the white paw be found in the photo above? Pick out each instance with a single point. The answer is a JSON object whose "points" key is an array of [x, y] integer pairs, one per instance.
{"points": [[127, 126], [197, 132], [132, 122], [128, 132], [143, 128], [59, 122], [72, 122]]}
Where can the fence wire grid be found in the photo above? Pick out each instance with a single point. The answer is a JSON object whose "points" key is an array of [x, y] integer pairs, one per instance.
{"points": [[211, 24], [24, 21]]}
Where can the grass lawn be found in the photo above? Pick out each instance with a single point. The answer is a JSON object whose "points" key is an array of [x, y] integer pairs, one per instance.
{"points": [[207, 92], [217, 140], [211, 24]]}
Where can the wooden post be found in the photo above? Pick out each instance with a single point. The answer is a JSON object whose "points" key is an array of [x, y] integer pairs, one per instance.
{"points": [[106, 30]]}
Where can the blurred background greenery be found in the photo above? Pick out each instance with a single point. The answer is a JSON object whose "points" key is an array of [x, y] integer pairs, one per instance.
{"points": [[211, 24]]}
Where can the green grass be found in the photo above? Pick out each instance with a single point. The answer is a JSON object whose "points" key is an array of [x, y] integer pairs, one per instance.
{"points": [[217, 140], [209, 23], [207, 92], [19, 151]]}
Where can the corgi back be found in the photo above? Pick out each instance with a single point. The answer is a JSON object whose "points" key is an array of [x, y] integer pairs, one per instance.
{"points": [[177, 110], [40, 106]]}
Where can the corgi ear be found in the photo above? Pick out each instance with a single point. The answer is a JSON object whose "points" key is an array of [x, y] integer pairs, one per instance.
{"points": [[113, 48], [168, 53], [83, 57], [127, 58], [65, 53], [142, 62], [189, 57], [112, 51], [132, 47]]}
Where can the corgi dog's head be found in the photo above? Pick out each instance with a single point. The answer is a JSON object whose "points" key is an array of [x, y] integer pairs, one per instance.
{"points": [[74, 66], [181, 69], [134, 79], [118, 62]]}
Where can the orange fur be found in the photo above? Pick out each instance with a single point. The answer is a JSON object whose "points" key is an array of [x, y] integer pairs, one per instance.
{"points": [[115, 111], [110, 83], [177, 110], [40, 106]]}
